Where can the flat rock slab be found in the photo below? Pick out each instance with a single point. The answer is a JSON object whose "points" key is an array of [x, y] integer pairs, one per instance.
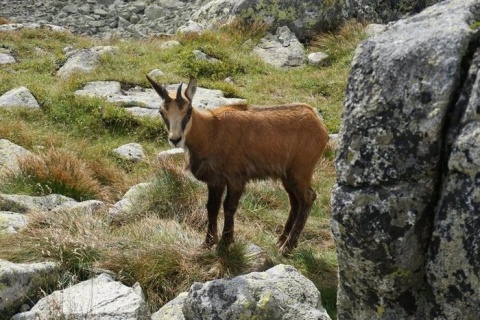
{"points": [[12, 222], [98, 298], [19, 26], [18, 97], [6, 58], [24, 203], [131, 152], [146, 102]]}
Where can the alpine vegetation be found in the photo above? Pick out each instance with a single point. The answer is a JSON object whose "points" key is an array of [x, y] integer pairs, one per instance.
{"points": [[234, 144]]}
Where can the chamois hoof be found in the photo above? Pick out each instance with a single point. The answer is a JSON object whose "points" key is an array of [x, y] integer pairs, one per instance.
{"points": [[209, 243], [280, 241], [285, 251], [225, 242]]}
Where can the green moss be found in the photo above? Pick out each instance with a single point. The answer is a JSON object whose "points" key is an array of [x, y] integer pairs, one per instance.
{"points": [[475, 25]]}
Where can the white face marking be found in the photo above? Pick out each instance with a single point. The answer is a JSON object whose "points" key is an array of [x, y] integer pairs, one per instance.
{"points": [[178, 122], [176, 110]]}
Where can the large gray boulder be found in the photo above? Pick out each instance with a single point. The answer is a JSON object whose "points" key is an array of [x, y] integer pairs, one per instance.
{"points": [[23, 283], [383, 11], [98, 298], [453, 262], [279, 293], [404, 156]]}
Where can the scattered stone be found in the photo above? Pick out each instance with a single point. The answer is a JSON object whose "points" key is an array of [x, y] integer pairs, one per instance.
{"points": [[199, 55], [172, 310], [257, 258], [19, 26], [24, 203], [18, 98], [12, 222], [123, 207], [170, 152], [170, 44], [279, 293], [84, 60], [101, 297], [23, 283], [9, 155], [229, 80], [156, 73], [131, 152], [6, 58], [88, 207], [374, 29], [191, 27], [317, 58], [281, 50]]}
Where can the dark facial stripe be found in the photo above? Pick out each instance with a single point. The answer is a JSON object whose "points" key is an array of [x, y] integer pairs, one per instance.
{"points": [[167, 123], [186, 118]]}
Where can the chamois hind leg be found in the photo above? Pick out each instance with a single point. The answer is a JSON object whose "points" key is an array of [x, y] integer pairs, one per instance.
{"points": [[292, 216], [230, 205], [215, 193], [306, 196]]}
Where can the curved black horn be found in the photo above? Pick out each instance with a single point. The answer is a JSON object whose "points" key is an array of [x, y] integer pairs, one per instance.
{"points": [[179, 92]]}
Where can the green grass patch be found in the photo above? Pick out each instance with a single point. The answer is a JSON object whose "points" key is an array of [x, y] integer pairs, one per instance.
{"points": [[157, 244]]}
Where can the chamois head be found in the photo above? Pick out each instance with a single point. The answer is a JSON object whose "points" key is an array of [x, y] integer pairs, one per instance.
{"points": [[176, 110]]}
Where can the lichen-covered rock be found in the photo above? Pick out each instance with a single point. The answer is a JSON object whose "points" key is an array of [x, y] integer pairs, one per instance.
{"points": [[84, 60], [279, 293], [390, 159], [281, 49], [98, 298], [9, 155], [22, 283], [24, 203], [11, 222], [131, 152], [19, 97], [453, 267], [172, 310], [383, 11], [302, 17]]}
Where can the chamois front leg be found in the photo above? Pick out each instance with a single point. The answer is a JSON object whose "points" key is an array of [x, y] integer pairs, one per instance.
{"points": [[307, 198], [215, 193], [230, 205], [292, 216]]}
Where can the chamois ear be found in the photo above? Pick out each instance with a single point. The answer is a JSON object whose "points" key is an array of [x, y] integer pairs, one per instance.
{"points": [[159, 88], [191, 89], [179, 93]]}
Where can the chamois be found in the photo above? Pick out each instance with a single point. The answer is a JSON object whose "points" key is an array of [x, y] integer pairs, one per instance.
{"points": [[231, 145]]}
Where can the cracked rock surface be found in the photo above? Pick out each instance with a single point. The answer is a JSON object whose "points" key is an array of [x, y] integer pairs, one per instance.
{"points": [[408, 171]]}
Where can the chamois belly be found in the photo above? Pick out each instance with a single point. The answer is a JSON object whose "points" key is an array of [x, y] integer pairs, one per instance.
{"points": [[218, 170]]}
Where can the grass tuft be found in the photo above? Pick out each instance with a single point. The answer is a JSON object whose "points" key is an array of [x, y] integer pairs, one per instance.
{"points": [[158, 244]]}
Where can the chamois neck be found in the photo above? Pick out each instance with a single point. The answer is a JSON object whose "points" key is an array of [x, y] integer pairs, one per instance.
{"points": [[200, 134]]}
